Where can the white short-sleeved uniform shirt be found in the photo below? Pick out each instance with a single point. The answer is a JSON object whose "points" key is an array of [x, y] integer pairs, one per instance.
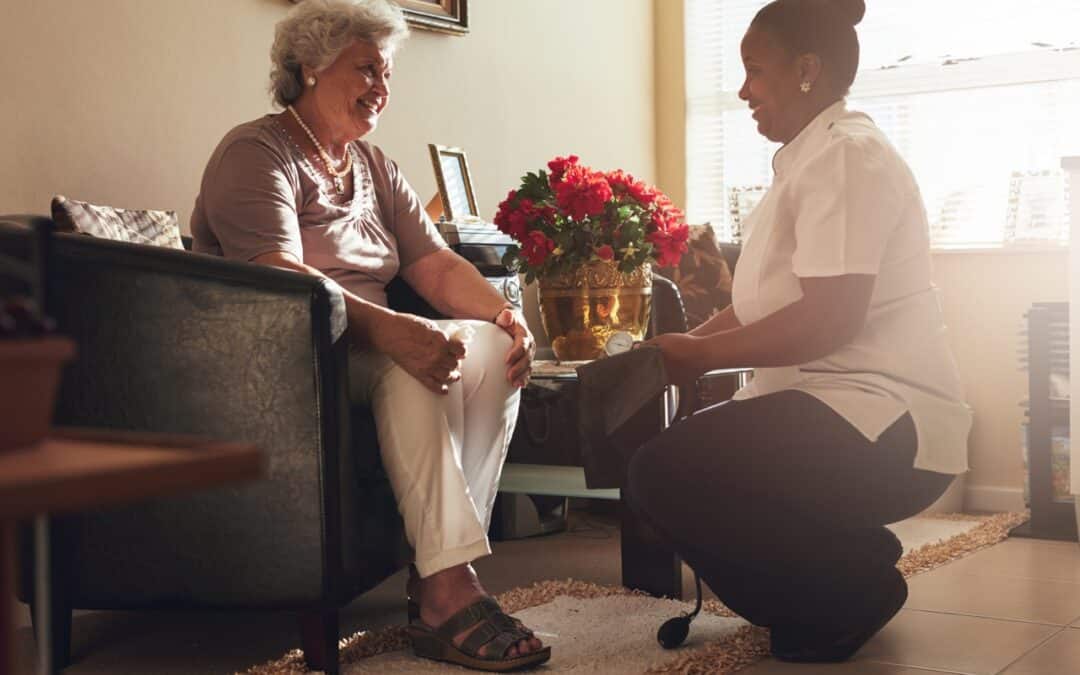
{"points": [[843, 201]]}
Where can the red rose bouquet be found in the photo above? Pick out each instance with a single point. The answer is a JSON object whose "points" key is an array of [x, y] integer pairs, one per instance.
{"points": [[576, 215]]}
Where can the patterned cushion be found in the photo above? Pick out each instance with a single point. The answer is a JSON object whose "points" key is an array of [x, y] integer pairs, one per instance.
{"points": [[703, 276], [157, 228]]}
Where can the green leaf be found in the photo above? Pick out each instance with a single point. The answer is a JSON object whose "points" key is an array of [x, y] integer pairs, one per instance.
{"points": [[535, 186]]}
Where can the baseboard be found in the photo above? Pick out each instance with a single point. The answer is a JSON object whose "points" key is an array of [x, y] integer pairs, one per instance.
{"points": [[953, 499], [994, 499]]}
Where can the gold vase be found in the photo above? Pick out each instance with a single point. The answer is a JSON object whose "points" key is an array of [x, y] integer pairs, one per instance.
{"points": [[582, 309]]}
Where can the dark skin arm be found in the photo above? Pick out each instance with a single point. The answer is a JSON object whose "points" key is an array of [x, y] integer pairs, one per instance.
{"points": [[828, 316], [725, 319]]}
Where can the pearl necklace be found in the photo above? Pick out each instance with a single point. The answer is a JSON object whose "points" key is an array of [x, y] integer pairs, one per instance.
{"points": [[335, 174]]}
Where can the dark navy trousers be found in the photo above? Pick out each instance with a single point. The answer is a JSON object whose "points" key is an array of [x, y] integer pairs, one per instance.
{"points": [[779, 504]]}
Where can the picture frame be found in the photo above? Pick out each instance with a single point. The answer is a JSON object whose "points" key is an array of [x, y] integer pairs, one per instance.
{"points": [[455, 183], [444, 16]]}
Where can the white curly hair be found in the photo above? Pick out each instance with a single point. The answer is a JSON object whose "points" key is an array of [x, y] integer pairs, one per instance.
{"points": [[315, 32]]}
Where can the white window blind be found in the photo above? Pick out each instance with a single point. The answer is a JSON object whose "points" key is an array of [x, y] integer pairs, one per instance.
{"points": [[981, 97]]}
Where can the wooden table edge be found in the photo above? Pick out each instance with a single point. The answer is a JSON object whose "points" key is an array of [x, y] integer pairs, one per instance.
{"points": [[205, 464]]}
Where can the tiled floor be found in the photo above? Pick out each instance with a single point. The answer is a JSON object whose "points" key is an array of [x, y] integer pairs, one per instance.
{"points": [[1012, 609]]}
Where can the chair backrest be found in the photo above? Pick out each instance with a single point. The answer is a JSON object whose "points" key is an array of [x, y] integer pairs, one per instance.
{"points": [[26, 220], [668, 312], [730, 251]]}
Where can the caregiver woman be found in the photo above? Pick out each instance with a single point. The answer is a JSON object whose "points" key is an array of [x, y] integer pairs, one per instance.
{"points": [[854, 417]]}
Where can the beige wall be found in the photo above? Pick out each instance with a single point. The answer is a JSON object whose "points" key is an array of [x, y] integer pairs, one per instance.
{"points": [[986, 294], [533, 80], [122, 101]]}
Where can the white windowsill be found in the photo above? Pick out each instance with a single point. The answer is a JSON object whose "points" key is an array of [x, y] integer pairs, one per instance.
{"points": [[993, 249], [990, 249]]}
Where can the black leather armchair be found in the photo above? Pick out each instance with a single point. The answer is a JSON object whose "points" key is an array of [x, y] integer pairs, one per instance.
{"points": [[177, 342]]}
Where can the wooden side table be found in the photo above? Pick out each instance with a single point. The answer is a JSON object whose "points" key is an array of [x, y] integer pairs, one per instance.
{"points": [[77, 469]]}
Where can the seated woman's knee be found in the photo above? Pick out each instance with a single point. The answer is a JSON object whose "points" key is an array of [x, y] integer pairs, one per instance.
{"points": [[488, 348], [491, 336]]}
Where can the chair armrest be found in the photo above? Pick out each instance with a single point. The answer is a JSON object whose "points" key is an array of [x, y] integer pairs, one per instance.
{"points": [[716, 386]]}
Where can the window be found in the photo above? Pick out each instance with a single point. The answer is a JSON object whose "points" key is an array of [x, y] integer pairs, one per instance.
{"points": [[981, 97]]}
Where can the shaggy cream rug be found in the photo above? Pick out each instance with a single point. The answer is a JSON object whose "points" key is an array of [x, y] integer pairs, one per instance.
{"points": [[602, 629]]}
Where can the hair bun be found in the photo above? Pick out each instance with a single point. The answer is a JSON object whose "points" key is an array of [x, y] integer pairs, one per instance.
{"points": [[851, 11]]}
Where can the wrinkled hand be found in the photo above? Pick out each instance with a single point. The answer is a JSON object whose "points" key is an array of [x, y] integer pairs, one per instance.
{"points": [[417, 345], [519, 358]]}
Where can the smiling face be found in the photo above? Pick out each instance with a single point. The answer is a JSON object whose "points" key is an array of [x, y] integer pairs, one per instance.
{"points": [[771, 87], [352, 92]]}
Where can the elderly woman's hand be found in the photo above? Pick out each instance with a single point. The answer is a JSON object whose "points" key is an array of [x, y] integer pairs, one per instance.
{"points": [[519, 358], [425, 352]]}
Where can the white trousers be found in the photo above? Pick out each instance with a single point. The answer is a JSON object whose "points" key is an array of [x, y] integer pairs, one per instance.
{"points": [[443, 453]]}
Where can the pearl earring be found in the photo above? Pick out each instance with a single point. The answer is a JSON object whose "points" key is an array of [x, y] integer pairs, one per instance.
{"points": [[805, 86], [310, 81]]}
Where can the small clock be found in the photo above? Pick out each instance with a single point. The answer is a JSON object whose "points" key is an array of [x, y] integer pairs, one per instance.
{"points": [[619, 342]]}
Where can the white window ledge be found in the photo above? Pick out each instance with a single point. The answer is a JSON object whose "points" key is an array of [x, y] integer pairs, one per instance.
{"points": [[993, 249]]}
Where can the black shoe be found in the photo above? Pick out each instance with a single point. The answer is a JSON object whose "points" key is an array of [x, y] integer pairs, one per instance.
{"points": [[802, 646]]}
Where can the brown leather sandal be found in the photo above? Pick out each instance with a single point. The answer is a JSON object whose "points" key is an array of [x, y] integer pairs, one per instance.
{"points": [[494, 630], [414, 617]]}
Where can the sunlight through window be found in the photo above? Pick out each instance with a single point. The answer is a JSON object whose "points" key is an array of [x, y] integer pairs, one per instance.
{"points": [[981, 97]]}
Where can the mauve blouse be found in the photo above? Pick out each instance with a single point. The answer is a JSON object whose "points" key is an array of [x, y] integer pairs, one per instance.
{"points": [[261, 194]]}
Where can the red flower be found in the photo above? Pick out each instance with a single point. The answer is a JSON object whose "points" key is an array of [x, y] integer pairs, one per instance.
{"points": [[502, 216], [619, 179], [665, 214], [516, 220], [595, 215], [536, 247], [663, 203], [643, 193], [670, 243], [558, 166], [582, 192], [625, 184]]}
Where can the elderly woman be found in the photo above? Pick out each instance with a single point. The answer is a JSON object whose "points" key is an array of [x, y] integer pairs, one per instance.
{"points": [[300, 190], [855, 416]]}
